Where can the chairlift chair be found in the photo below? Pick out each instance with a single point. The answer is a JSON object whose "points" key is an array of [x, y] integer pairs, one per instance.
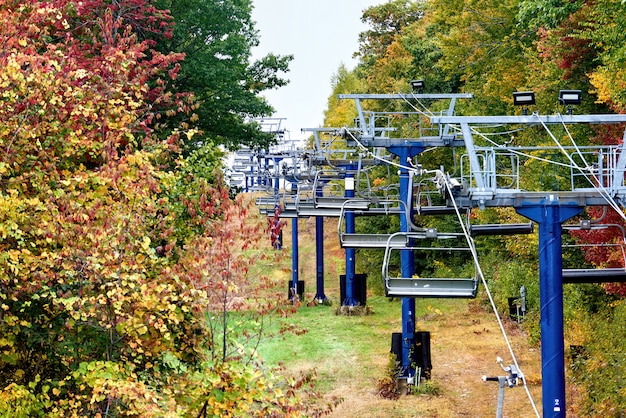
{"points": [[434, 287], [375, 208], [333, 146], [423, 201], [501, 229], [328, 194]]}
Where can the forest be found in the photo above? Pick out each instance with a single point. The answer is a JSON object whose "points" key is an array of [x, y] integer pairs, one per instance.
{"points": [[127, 280]]}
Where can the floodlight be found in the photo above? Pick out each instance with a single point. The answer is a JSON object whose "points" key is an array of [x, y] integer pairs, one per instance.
{"points": [[570, 97], [524, 98], [417, 85]]}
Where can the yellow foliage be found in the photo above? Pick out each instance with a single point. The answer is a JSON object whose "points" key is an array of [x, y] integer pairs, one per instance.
{"points": [[610, 85]]}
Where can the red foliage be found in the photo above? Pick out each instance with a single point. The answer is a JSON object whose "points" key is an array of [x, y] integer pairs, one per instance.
{"points": [[275, 226], [609, 253], [573, 54], [609, 134], [89, 86]]}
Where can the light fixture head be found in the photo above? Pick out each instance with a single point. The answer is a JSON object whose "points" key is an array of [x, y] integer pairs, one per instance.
{"points": [[417, 85], [570, 97], [524, 98]]}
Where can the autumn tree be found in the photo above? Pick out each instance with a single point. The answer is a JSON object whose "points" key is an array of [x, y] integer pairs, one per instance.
{"points": [[603, 28], [340, 113], [217, 38], [386, 22], [113, 251], [81, 182]]}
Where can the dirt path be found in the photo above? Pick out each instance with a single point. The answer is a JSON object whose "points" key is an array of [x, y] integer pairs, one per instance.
{"points": [[464, 348]]}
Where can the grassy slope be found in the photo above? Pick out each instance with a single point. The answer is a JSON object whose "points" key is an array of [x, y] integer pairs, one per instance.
{"points": [[351, 353]]}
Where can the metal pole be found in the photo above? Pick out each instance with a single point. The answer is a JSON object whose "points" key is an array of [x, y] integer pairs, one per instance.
{"points": [[294, 258], [501, 385], [510, 381], [549, 215], [350, 252], [277, 179], [319, 253], [407, 264]]}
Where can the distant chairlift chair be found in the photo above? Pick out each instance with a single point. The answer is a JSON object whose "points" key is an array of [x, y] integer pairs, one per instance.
{"points": [[375, 208]]}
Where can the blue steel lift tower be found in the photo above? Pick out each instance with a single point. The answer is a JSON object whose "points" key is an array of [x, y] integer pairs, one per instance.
{"points": [[482, 187], [369, 134]]}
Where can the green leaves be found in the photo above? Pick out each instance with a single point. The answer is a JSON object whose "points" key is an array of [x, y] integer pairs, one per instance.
{"points": [[17, 401], [604, 28], [535, 14], [216, 38]]}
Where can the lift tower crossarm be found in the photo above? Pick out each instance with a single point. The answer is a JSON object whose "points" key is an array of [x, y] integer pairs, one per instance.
{"points": [[530, 119], [374, 136], [400, 96], [484, 192], [549, 210]]}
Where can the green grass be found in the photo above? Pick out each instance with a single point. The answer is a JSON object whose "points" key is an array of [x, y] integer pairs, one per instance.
{"points": [[339, 346]]}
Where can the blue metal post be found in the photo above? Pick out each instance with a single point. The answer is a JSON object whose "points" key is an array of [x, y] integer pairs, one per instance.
{"points": [[407, 262], [263, 179], [277, 179], [259, 180], [294, 257], [350, 252], [550, 214], [319, 262], [407, 265], [249, 179]]}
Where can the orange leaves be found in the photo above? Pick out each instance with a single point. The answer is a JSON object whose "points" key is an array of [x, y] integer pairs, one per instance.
{"points": [[394, 65]]}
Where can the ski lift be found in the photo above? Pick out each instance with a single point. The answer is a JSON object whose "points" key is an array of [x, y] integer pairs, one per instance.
{"points": [[363, 185], [501, 229], [435, 287], [302, 201], [429, 201], [334, 146], [329, 193]]}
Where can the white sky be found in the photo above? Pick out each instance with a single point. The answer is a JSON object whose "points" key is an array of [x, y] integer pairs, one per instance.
{"points": [[322, 35]]}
